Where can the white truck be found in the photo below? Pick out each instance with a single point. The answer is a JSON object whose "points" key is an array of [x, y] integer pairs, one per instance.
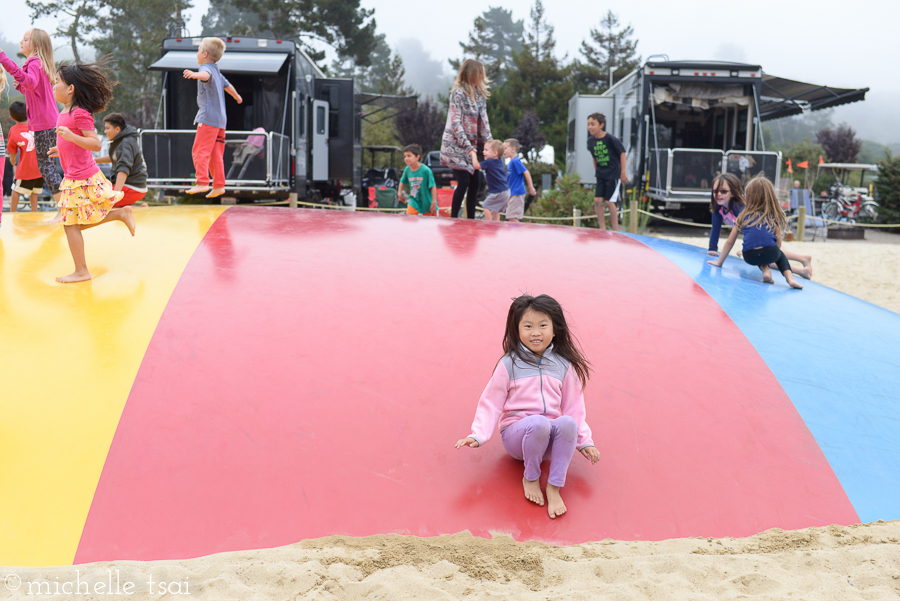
{"points": [[684, 122]]}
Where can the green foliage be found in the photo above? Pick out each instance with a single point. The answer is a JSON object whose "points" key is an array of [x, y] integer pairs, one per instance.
{"points": [[887, 189], [341, 24], [799, 128], [423, 125], [131, 32], [82, 18], [384, 75], [872, 152], [797, 153], [608, 49], [568, 194], [493, 40]]}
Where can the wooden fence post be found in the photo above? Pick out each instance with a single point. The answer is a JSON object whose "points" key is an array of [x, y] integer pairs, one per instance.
{"points": [[633, 217], [576, 217]]}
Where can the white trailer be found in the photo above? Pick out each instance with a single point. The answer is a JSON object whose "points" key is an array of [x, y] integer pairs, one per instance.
{"points": [[684, 122]]}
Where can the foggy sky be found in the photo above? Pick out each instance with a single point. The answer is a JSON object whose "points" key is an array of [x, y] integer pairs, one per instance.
{"points": [[829, 42]]}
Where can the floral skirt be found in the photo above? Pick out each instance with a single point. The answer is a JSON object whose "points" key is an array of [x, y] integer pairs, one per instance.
{"points": [[86, 201]]}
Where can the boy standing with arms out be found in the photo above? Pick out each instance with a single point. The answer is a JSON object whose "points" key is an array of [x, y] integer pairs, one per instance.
{"points": [[516, 176], [129, 171], [495, 174], [417, 184], [609, 166], [209, 144], [27, 180]]}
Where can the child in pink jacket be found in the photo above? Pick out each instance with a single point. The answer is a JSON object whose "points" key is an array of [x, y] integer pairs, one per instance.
{"points": [[537, 395]]}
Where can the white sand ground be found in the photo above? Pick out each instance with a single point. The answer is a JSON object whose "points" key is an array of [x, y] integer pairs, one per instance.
{"points": [[822, 564]]}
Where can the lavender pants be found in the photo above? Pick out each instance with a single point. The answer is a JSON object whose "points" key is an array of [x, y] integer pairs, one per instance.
{"points": [[535, 438]]}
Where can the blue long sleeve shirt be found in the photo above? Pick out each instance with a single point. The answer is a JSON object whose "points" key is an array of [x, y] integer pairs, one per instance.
{"points": [[720, 216]]}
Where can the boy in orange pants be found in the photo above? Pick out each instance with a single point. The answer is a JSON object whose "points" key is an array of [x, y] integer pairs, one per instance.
{"points": [[209, 143]]}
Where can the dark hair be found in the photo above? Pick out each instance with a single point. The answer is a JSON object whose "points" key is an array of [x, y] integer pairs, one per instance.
{"points": [[599, 118], [414, 148], [93, 89], [564, 342], [17, 111], [116, 120], [737, 191]]}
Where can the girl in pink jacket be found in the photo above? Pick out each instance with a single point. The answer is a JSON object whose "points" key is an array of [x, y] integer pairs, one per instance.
{"points": [[35, 79], [537, 395]]}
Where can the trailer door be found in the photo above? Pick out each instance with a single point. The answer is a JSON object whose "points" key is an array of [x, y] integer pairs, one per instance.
{"points": [[320, 141]]}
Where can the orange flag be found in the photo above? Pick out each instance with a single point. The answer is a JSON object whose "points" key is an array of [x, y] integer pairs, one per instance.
{"points": [[790, 169], [820, 159], [803, 165]]}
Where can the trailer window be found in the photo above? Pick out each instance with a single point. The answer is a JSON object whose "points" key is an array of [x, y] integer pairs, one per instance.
{"points": [[320, 120], [570, 137]]}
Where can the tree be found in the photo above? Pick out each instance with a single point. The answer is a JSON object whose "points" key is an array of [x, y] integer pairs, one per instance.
{"points": [[841, 144], [887, 188], [341, 24], [131, 32], [608, 49], [539, 82], [527, 133], [83, 14], [384, 75], [423, 125], [798, 153], [493, 40]]}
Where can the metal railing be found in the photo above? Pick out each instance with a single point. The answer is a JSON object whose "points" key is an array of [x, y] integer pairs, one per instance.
{"points": [[687, 173], [254, 160]]}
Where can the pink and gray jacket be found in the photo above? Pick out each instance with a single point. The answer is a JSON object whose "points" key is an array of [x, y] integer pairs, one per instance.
{"points": [[40, 104], [518, 389]]}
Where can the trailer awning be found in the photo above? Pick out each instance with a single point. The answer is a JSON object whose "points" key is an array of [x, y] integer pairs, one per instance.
{"points": [[377, 104], [246, 63], [785, 97]]}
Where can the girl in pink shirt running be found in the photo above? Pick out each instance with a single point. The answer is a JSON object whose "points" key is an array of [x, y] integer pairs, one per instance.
{"points": [[86, 196], [537, 395]]}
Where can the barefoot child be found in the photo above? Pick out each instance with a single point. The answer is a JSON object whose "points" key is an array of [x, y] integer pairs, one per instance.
{"points": [[726, 204], [87, 198], [537, 395], [497, 182], [762, 222], [35, 80], [516, 175], [209, 143]]}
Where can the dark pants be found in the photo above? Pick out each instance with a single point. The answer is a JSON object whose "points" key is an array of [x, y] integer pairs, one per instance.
{"points": [[465, 181], [766, 255], [44, 140]]}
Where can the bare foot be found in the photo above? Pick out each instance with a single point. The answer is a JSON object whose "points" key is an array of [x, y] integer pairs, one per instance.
{"points": [[74, 277], [555, 505], [793, 283], [56, 219], [533, 491], [128, 219], [767, 274], [143, 205], [808, 264], [216, 192], [803, 272], [198, 189]]}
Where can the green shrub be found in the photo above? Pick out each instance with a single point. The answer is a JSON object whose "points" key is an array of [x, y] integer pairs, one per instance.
{"points": [[887, 189], [568, 194]]}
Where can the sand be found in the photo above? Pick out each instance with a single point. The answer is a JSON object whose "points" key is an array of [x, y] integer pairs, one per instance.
{"points": [[868, 269], [834, 562], [831, 563]]}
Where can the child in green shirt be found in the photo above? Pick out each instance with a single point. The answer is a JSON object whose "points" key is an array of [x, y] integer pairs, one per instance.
{"points": [[417, 186]]}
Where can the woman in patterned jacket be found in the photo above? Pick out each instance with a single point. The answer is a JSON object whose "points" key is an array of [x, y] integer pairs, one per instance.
{"points": [[466, 130]]}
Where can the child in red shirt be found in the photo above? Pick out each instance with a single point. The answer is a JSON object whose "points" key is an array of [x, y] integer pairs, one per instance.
{"points": [[20, 148]]}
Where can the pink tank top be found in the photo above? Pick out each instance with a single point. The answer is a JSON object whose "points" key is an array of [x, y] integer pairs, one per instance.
{"points": [[77, 162]]}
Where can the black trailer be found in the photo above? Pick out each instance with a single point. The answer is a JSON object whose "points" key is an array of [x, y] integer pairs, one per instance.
{"points": [[684, 122], [296, 132]]}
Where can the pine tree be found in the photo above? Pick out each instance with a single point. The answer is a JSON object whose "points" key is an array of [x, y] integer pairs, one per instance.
{"points": [[423, 125], [608, 48], [493, 40]]}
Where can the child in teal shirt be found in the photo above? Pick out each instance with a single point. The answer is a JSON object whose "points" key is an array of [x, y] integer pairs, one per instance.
{"points": [[417, 186]]}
